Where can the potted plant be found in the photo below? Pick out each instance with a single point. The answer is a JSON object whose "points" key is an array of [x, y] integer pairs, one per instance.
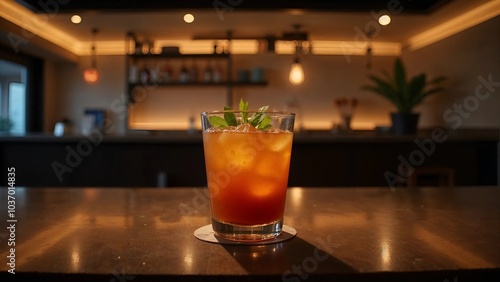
{"points": [[404, 94]]}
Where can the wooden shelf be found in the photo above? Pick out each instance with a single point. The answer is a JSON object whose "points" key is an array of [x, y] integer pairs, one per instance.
{"points": [[174, 55], [195, 84]]}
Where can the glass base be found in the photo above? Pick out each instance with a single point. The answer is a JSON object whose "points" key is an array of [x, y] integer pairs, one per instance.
{"points": [[247, 233]]}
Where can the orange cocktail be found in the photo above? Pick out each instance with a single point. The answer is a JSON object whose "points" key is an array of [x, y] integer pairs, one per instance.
{"points": [[247, 176]]}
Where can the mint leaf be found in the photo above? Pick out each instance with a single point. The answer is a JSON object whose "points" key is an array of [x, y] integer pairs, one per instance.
{"points": [[265, 123], [258, 120], [230, 117], [244, 107], [217, 121], [258, 117]]}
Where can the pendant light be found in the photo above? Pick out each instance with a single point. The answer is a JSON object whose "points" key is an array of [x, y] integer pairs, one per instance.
{"points": [[91, 75], [296, 72], [296, 75]]}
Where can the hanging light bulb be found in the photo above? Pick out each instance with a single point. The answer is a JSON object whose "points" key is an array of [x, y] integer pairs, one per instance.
{"points": [[296, 72], [91, 75], [296, 75]]}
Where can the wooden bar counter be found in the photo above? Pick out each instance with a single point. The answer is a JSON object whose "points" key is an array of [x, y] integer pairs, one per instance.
{"points": [[344, 234]]}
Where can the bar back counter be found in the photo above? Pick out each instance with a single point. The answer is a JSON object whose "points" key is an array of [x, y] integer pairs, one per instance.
{"points": [[319, 158]]}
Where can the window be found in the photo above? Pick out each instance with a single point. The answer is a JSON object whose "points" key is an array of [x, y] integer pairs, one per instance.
{"points": [[17, 107], [13, 94], [21, 90]]}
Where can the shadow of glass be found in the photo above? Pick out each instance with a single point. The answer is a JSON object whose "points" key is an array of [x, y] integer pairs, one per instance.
{"points": [[289, 259]]}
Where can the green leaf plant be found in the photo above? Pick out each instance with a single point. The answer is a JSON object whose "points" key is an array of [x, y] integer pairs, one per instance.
{"points": [[404, 93]]}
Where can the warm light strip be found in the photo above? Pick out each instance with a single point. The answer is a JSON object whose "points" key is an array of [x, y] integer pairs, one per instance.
{"points": [[245, 47], [241, 47], [102, 48], [38, 24], [207, 47], [467, 20], [343, 48], [355, 48], [284, 47]]}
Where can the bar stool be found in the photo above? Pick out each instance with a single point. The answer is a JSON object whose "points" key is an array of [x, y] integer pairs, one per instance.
{"points": [[432, 176]]}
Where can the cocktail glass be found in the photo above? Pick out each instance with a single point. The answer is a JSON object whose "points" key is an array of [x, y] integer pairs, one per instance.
{"points": [[247, 174]]}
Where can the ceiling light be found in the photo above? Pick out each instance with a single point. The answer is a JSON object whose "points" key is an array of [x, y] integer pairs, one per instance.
{"points": [[91, 75], [76, 19], [188, 18], [384, 20]]}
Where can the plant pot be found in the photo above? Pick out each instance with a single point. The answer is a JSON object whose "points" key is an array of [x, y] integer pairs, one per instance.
{"points": [[404, 123]]}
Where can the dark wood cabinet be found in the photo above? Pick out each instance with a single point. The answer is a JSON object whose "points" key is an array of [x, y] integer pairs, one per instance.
{"points": [[176, 159]]}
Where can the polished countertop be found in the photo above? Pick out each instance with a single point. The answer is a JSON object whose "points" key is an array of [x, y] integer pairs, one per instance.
{"points": [[344, 234], [303, 136]]}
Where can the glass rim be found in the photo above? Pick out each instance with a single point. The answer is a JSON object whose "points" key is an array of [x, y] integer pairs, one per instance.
{"points": [[284, 113]]}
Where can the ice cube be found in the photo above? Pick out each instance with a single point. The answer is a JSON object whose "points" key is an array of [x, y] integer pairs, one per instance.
{"points": [[246, 128], [263, 188], [280, 142]]}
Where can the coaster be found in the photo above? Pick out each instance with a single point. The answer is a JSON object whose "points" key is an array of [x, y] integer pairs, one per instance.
{"points": [[206, 233]]}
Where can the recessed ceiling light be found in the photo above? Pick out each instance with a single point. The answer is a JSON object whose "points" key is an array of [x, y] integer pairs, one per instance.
{"points": [[76, 19], [384, 20], [188, 18]]}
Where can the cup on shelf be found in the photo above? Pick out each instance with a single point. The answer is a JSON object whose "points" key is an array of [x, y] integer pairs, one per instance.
{"points": [[257, 75], [243, 75]]}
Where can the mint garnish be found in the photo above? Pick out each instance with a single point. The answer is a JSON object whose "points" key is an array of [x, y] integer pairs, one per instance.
{"points": [[230, 117], [217, 121], [258, 120], [244, 107]]}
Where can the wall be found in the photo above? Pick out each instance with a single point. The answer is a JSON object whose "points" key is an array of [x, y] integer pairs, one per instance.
{"points": [[52, 104], [76, 95], [327, 77], [462, 58]]}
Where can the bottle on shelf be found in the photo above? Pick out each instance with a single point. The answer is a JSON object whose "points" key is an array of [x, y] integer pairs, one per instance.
{"points": [[208, 73], [145, 75], [183, 74], [193, 72], [217, 73], [166, 73], [153, 73], [133, 74]]}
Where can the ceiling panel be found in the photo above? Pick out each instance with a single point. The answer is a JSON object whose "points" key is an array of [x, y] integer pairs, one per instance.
{"points": [[420, 6]]}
